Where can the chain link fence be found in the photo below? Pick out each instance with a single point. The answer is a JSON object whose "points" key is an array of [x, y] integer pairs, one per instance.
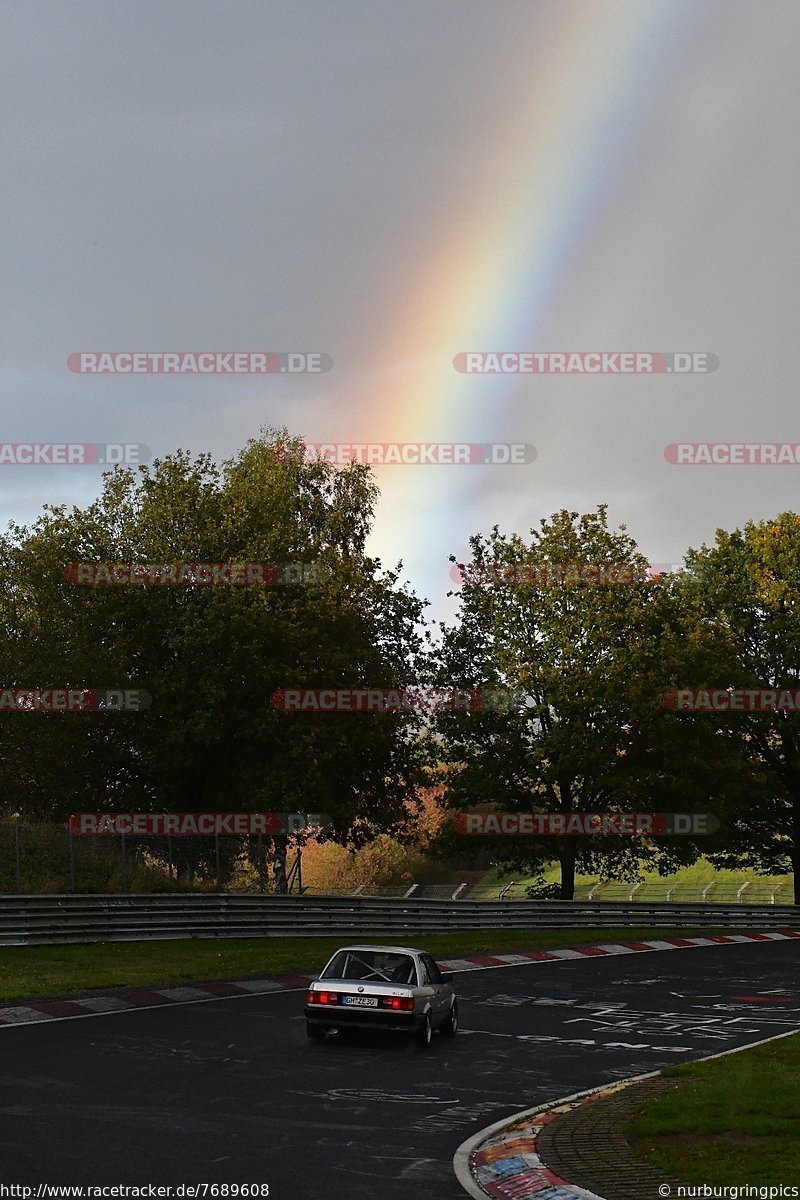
{"points": [[38, 858]]}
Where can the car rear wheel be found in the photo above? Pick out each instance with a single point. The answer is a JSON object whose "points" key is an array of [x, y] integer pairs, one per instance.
{"points": [[315, 1032], [451, 1024], [425, 1032]]}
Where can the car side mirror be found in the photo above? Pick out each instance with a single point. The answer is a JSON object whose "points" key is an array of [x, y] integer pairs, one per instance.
{"points": [[447, 978]]}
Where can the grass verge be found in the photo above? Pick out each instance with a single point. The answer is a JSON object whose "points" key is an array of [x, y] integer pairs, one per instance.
{"points": [[727, 1122], [685, 884], [28, 972]]}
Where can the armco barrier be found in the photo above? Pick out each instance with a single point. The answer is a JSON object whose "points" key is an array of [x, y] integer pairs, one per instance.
{"points": [[28, 920]]}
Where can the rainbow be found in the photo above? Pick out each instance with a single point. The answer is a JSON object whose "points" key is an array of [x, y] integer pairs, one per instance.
{"points": [[592, 76]]}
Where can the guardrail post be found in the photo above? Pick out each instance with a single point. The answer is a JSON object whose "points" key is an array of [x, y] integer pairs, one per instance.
{"points": [[596, 888], [410, 891], [707, 889], [503, 891], [742, 889], [634, 890], [458, 891]]}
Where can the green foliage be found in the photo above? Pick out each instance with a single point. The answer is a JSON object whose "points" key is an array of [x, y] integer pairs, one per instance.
{"points": [[28, 971], [540, 889], [211, 656], [731, 1120], [44, 863], [593, 661], [594, 734], [744, 590]]}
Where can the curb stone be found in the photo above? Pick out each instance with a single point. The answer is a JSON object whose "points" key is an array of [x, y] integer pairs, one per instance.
{"points": [[102, 1002], [506, 1161], [538, 1155], [588, 1145]]}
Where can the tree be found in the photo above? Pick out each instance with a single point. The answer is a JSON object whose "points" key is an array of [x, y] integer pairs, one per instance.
{"points": [[594, 661], [425, 819], [212, 657], [746, 593]]}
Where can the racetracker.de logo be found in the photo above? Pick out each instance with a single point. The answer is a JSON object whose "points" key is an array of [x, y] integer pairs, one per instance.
{"points": [[733, 454], [73, 454], [552, 575], [404, 700], [204, 362], [733, 700], [583, 824], [412, 454], [585, 362], [74, 700], [195, 574], [187, 824]]}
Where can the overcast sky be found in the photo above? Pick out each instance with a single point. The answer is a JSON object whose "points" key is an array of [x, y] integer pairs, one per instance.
{"points": [[393, 182]]}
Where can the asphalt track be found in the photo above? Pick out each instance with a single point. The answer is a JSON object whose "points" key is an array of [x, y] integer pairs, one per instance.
{"points": [[231, 1091]]}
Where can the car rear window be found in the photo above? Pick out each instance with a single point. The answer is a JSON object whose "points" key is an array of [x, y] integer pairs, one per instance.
{"points": [[373, 966]]}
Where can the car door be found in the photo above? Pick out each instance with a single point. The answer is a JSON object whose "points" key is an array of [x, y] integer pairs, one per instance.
{"points": [[432, 977]]}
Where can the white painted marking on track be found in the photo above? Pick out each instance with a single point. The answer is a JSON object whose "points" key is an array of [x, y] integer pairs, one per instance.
{"points": [[11, 1018], [17, 1016], [100, 1004], [36, 1017]]}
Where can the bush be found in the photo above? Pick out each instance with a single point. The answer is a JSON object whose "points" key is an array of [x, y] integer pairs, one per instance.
{"points": [[540, 889]]}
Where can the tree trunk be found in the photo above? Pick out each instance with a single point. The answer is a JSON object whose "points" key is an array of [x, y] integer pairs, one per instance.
{"points": [[795, 850], [279, 864], [567, 851]]}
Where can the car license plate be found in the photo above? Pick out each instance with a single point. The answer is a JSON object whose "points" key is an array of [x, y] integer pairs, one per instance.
{"points": [[361, 1001]]}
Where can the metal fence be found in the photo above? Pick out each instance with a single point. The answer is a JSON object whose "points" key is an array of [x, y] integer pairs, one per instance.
{"points": [[45, 859], [26, 920], [38, 858], [724, 889], [41, 858]]}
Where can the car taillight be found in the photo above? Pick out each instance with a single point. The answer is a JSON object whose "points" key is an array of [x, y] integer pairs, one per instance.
{"points": [[403, 1003], [322, 997]]}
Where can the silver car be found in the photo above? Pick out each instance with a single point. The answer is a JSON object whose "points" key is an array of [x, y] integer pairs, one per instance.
{"points": [[382, 987]]}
